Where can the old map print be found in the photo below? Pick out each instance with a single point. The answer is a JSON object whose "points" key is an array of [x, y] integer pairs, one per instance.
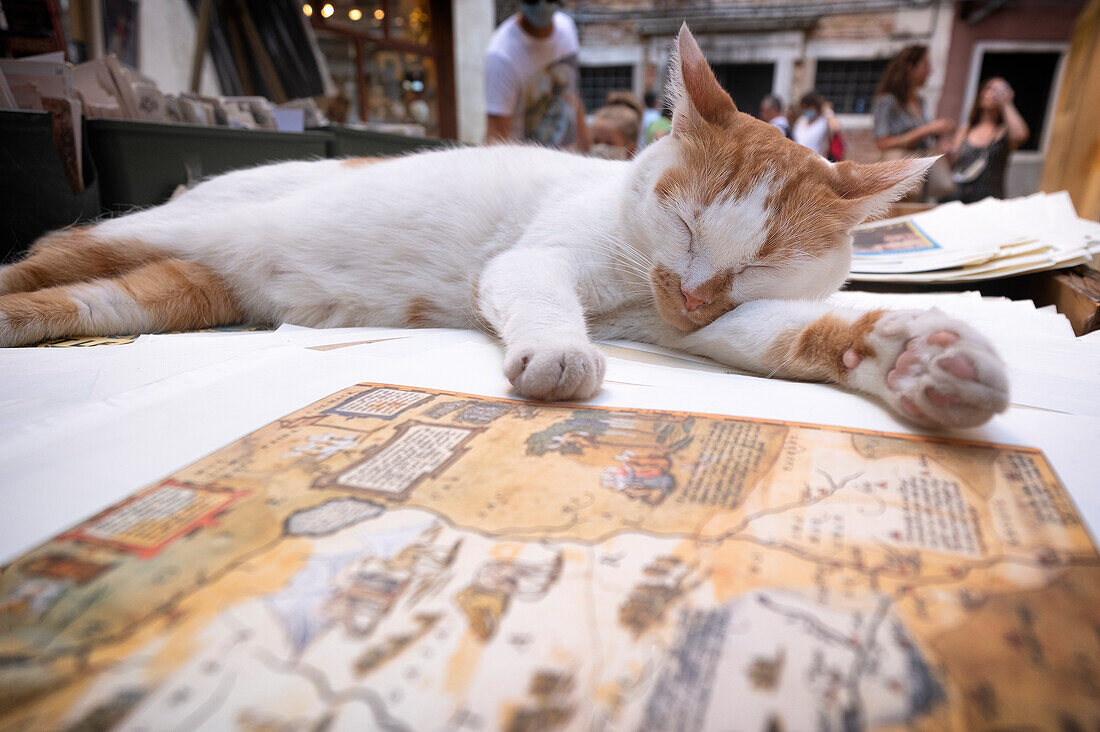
{"points": [[399, 558]]}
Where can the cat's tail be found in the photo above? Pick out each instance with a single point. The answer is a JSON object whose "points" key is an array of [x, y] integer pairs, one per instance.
{"points": [[76, 283], [75, 254]]}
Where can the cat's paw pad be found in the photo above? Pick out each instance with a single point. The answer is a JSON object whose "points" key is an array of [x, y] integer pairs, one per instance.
{"points": [[555, 372], [934, 370]]}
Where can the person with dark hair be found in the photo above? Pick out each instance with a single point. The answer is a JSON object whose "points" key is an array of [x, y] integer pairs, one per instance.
{"points": [[901, 122], [816, 125], [902, 127], [981, 147], [771, 111]]}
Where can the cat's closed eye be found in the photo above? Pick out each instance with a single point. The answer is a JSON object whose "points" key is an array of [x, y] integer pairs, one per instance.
{"points": [[688, 230]]}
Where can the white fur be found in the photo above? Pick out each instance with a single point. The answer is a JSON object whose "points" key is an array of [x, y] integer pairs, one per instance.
{"points": [[104, 307]]}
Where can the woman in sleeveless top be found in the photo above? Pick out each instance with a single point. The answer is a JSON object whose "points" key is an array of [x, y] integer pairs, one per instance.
{"points": [[981, 147]]}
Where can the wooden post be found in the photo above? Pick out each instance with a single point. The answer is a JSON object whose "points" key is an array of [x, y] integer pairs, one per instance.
{"points": [[268, 73], [206, 8], [1072, 162], [361, 89], [446, 101]]}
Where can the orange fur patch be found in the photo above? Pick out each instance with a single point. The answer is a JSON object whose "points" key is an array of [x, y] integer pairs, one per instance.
{"points": [[52, 307], [816, 352], [708, 98], [180, 295], [418, 313], [360, 162], [176, 295], [74, 255]]}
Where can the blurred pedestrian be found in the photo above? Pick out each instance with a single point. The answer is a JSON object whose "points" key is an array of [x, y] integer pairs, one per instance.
{"points": [[531, 78], [651, 114], [771, 111], [902, 126], [661, 126], [981, 147], [615, 127], [816, 124]]}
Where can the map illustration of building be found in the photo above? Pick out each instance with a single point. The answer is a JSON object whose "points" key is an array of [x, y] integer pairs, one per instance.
{"points": [[405, 559]]}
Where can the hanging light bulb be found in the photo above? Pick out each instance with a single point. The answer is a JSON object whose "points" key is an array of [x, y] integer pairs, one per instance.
{"points": [[355, 13], [307, 10], [327, 10]]}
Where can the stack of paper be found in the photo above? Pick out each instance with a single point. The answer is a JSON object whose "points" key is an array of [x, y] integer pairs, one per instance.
{"points": [[106, 88], [959, 242]]}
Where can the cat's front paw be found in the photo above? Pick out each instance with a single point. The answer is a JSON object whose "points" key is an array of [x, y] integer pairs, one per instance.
{"points": [[571, 370], [932, 369]]}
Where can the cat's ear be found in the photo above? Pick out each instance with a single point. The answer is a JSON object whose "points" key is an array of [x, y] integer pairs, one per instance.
{"points": [[699, 97], [872, 187]]}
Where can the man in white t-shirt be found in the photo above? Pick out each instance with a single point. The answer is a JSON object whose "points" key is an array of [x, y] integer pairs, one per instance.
{"points": [[531, 79]]}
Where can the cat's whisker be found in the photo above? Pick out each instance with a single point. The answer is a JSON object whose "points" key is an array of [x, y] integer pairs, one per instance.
{"points": [[621, 249], [623, 265]]}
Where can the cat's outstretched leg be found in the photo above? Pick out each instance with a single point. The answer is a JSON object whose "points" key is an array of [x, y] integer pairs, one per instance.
{"points": [[171, 294], [529, 297], [928, 367], [76, 254]]}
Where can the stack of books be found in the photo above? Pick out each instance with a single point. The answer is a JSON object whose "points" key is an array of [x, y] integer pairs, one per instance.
{"points": [[959, 242]]}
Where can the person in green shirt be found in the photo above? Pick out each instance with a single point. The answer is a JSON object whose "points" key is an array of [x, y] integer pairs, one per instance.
{"points": [[661, 126]]}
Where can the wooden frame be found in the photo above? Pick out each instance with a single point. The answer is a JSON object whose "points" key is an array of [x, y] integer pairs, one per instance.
{"points": [[440, 50]]}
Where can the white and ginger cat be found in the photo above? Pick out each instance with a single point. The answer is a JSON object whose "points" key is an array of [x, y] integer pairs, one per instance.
{"points": [[720, 240]]}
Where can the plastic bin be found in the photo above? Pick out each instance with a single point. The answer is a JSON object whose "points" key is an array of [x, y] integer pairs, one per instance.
{"points": [[142, 163], [35, 194], [347, 142]]}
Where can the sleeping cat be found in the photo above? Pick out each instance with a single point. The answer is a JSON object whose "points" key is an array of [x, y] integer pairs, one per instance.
{"points": [[720, 240]]}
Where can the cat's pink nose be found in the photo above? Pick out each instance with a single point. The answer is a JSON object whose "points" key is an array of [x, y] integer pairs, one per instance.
{"points": [[691, 302]]}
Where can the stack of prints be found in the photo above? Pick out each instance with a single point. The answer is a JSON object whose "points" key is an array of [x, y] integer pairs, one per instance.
{"points": [[959, 242]]}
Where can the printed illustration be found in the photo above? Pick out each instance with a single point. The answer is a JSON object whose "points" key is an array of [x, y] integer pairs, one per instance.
{"points": [[902, 237], [400, 558], [549, 98]]}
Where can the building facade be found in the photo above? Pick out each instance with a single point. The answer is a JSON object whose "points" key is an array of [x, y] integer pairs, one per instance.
{"points": [[839, 48]]}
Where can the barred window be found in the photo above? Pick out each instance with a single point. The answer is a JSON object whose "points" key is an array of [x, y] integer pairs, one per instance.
{"points": [[598, 81], [849, 83], [746, 83]]}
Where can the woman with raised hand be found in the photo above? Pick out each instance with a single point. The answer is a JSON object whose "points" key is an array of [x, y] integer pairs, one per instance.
{"points": [[981, 147]]}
